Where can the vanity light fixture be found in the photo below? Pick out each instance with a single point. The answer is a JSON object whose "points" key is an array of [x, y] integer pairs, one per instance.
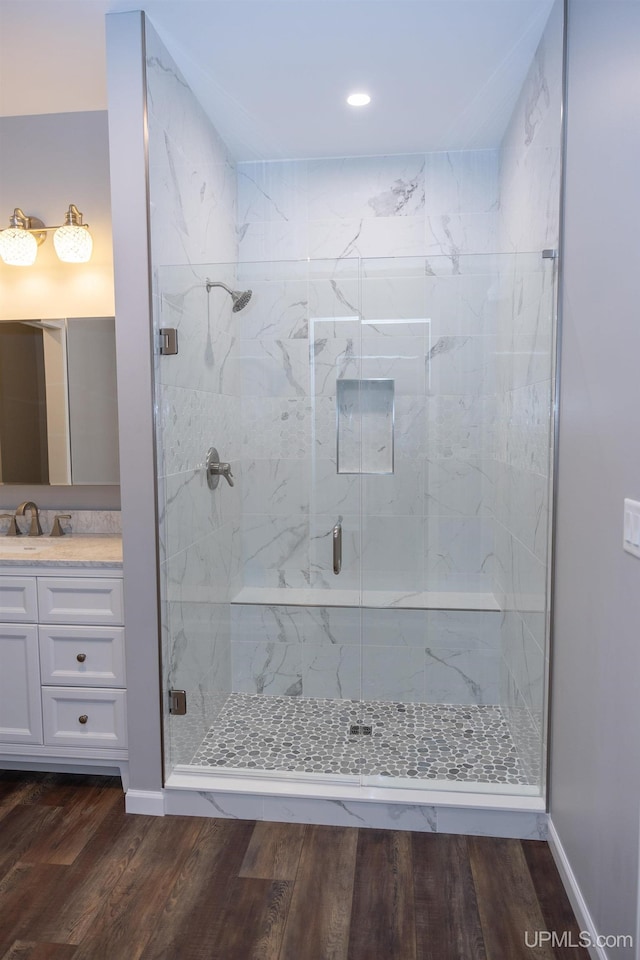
{"points": [[20, 241]]}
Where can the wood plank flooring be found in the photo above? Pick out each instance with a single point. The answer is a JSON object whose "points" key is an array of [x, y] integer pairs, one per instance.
{"points": [[81, 880]]}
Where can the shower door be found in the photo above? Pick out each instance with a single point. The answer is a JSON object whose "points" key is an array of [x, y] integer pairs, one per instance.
{"points": [[261, 579], [197, 409], [454, 536]]}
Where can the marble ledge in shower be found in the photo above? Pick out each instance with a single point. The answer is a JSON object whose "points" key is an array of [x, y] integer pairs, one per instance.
{"points": [[387, 599]]}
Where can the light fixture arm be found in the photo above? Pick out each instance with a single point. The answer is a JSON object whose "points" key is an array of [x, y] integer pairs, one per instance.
{"points": [[72, 239], [19, 219], [32, 225], [72, 218]]}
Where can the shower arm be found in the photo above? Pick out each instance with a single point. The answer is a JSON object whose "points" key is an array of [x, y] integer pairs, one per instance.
{"points": [[218, 283]]}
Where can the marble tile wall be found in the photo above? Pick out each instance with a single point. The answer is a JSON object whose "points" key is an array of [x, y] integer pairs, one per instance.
{"points": [[193, 223], [426, 656], [440, 205], [530, 169], [402, 239]]}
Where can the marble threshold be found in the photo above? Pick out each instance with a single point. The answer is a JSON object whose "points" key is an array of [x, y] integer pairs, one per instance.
{"points": [[388, 599], [515, 797]]}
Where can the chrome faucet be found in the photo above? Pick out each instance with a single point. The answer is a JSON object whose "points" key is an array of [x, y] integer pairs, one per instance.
{"points": [[35, 530]]}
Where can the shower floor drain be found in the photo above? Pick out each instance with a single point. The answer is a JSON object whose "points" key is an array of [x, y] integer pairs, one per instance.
{"points": [[360, 730]]}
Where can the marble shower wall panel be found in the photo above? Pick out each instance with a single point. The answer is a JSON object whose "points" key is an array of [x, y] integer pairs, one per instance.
{"points": [[459, 488], [526, 666], [442, 205], [289, 439], [428, 656], [192, 176], [200, 653], [530, 168], [523, 507], [206, 331], [409, 240], [527, 735], [530, 156], [193, 192]]}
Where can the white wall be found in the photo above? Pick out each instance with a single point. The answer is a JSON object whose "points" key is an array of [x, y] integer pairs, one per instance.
{"points": [[127, 133], [595, 771], [46, 163]]}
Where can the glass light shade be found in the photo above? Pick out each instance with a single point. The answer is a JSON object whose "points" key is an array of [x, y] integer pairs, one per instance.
{"points": [[18, 247], [73, 243]]}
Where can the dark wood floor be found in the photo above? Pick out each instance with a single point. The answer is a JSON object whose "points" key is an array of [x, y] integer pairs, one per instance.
{"points": [[81, 880]]}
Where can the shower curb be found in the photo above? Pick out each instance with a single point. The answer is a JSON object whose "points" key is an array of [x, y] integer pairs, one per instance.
{"points": [[351, 805]]}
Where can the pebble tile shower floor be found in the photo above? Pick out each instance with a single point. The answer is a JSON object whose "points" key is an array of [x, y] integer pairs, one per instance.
{"points": [[407, 740]]}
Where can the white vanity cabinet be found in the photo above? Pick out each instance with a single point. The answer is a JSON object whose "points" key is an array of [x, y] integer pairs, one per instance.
{"points": [[62, 669]]}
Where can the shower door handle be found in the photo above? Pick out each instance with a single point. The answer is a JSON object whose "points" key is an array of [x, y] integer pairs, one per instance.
{"points": [[337, 548]]}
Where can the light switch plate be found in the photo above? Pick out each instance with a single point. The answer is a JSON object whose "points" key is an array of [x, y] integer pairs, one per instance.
{"points": [[632, 527]]}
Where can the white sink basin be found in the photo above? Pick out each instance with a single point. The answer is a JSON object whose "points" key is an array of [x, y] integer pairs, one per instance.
{"points": [[19, 547]]}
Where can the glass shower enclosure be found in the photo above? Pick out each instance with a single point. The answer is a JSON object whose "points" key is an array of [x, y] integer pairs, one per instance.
{"points": [[365, 601], [355, 461]]}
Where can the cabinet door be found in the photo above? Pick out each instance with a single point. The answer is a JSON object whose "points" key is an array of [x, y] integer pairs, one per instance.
{"points": [[18, 600], [20, 703]]}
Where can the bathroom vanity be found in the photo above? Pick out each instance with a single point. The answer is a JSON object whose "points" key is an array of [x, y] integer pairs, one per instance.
{"points": [[62, 663]]}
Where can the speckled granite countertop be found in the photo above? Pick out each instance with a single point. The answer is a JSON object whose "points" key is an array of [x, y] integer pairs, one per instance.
{"points": [[74, 550]]}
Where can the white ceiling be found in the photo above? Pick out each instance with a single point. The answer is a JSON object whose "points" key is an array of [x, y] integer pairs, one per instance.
{"points": [[273, 74]]}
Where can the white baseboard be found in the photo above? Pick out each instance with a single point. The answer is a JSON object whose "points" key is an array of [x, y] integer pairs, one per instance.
{"points": [[149, 802], [585, 921]]}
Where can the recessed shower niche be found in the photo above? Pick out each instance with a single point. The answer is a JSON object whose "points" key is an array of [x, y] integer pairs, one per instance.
{"points": [[364, 430], [393, 374]]}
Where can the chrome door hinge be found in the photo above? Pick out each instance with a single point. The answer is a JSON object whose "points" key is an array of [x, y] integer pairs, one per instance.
{"points": [[549, 254], [177, 702], [168, 341]]}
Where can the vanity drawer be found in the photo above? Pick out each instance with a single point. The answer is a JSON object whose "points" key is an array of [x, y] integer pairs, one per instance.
{"points": [[82, 656], [18, 599], [69, 600], [84, 718]]}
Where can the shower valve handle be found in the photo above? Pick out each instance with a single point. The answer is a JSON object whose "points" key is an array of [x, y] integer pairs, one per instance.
{"points": [[216, 469], [224, 470]]}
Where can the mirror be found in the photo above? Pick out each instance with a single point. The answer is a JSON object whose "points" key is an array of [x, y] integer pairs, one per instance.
{"points": [[58, 402]]}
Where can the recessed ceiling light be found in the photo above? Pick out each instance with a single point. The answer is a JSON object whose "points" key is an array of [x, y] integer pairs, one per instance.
{"points": [[358, 99]]}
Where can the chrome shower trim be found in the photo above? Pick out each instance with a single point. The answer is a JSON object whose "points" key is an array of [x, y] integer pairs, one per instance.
{"points": [[240, 297]]}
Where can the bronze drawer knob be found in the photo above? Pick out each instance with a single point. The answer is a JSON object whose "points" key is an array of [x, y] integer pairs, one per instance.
{"points": [[81, 657], [83, 718]]}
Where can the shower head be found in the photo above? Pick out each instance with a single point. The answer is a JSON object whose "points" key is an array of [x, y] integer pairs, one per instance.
{"points": [[240, 297]]}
